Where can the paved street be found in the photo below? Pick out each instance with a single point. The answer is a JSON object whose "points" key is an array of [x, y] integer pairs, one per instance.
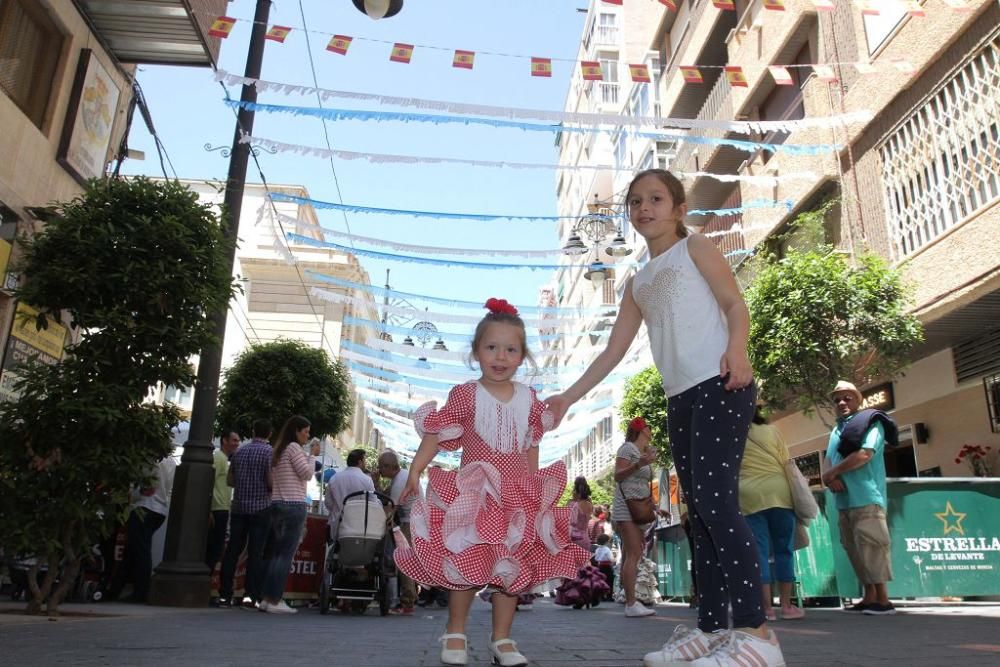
{"points": [[921, 636]]}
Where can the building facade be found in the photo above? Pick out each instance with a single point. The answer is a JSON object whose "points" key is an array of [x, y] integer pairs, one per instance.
{"points": [[277, 298], [918, 178], [66, 88]]}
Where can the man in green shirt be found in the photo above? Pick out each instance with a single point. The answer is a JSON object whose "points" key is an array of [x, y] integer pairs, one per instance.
{"points": [[222, 498], [858, 482]]}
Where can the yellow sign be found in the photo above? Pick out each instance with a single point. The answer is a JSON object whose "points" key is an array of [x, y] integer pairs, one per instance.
{"points": [[5, 249], [50, 340]]}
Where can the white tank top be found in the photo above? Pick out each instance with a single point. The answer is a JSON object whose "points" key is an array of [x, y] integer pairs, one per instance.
{"points": [[687, 329]]}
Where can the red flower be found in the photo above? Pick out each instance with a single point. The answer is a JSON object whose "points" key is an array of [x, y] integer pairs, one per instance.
{"points": [[958, 460], [500, 306]]}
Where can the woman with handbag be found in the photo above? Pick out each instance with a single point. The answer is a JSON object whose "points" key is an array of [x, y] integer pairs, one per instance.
{"points": [[633, 506], [767, 504]]}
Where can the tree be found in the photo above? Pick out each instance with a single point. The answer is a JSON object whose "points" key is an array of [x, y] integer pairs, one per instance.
{"points": [[283, 378], [644, 398], [137, 266], [599, 494], [816, 318]]}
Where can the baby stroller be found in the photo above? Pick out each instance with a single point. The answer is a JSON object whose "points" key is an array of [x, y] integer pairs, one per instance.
{"points": [[358, 568]]}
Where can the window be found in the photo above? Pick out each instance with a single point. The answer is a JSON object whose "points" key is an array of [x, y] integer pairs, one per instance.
{"points": [[941, 164], [879, 28], [992, 385], [621, 149], [30, 45]]}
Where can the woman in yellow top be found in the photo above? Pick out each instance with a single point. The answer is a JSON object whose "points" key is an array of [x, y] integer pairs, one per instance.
{"points": [[766, 503]]}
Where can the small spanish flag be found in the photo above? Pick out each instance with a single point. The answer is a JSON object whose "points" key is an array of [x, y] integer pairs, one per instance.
{"points": [[669, 4], [914, 8], [222, 26], [463, 59], [865, 68], [774, 5], [867, 7], [691, 74], [541, 67], [591, 70], [735, 76], [780, 75], [639, 73], [339, 44], [825, 73], [823, 5], [612, 2], [401, 53], [278, 33], [727, 5]]}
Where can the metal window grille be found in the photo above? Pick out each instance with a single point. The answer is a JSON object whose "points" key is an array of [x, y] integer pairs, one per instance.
{"points": [[942, 164], [992, 385]]}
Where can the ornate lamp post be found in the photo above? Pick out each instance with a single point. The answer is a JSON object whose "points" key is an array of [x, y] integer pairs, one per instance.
{"points": [[596, 227]]}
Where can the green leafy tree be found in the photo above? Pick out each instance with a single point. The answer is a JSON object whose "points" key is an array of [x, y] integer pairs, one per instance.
{"points": [[283, 378], [816, 318], [137, 266], [599, 494], [644, 398]]}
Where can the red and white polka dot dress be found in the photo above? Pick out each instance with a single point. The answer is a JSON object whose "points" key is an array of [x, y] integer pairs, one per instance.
{"points": [[490, 523]]}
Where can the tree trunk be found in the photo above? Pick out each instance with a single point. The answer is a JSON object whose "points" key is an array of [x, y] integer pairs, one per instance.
{"points": [[35, 601], [70, 568], [41, 593]]}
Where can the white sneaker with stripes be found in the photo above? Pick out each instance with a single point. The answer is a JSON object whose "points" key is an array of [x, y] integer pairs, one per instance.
{"points": [[684, 646], [740, 649]]}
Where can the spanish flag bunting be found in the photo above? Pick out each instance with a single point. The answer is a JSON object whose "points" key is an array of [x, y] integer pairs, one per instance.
{"points": [[669, 4], [774, 5], [463, 59], [867, 7], [958, 5], [339, 44], [865, 68], [735, 75], [401, 53], [914, 8], [691, 74], [278, 33], [612, 2], [825, 73], [823, 5], [639, 73], [592, 70], [727, 5], [541, 67], [780, 75], [222, 26]]}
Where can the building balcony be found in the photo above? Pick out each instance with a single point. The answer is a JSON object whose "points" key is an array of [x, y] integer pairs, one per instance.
{"points": [[608, 93], [163, 32]]}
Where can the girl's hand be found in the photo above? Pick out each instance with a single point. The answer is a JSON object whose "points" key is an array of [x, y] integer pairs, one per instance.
{"points": [[412, 488], [647, 457], [557, 405], [736, 365]]}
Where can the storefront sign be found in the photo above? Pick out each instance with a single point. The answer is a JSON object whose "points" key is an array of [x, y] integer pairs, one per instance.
{"points": [[26, 342], [879, 397]]}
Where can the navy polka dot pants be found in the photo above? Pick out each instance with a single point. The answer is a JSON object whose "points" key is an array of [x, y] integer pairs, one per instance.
{"points": [[708, 430]]}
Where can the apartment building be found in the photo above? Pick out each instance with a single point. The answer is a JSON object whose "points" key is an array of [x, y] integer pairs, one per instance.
{"points": [[66, 73], [277, 299], [919, 180]]}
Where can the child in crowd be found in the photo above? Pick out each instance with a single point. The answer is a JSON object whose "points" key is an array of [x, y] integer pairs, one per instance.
{"points": [[698, 326], [494, 522], [604, 560]]}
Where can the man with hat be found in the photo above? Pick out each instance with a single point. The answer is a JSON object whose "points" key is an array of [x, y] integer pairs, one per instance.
{"points": [[855, 472]]}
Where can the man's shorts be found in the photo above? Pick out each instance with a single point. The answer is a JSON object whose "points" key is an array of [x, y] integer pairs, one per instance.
{"points": [[864, 535]]}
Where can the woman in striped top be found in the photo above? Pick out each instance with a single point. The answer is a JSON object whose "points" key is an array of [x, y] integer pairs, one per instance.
{"points": [[291, 469]]}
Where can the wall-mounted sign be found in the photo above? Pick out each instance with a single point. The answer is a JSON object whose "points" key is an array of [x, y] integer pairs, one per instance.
{"points": [[879, 397], [26, 342]]}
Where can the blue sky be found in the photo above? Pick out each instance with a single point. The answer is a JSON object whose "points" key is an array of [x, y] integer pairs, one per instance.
{"points": [[188, 112]]}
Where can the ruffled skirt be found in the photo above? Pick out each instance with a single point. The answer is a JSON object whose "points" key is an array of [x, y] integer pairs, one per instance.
{"points": [[476, 529]]}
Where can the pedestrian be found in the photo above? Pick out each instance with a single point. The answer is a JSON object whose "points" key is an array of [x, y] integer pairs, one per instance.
{"points": [[598, 523], [494, 521], [291, 468], [633, 475], [855, 472], [580, 511], [150, 505], [352, 479], [390, 469], [249, 516], [222, 499], [766, 502], [698, 325]]}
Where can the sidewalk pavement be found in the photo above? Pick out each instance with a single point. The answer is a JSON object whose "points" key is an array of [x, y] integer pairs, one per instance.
{"points": [[550, 636]]}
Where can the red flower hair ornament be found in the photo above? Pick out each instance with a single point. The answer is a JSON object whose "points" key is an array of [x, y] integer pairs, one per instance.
{"points": [[500, 306], [637, 424]]}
